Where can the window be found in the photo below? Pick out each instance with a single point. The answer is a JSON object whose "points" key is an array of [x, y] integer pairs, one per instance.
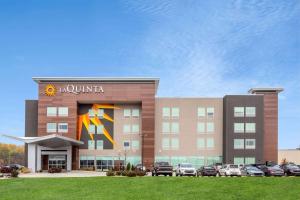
{"points": [[91, 144], [51, 127], [92, 129], [175, 143], [135, 112], [166, 127], [166, 144], [210, 143], [175, 127], [239, 111], [175, 112], [99, 144], [135, 128], [126, 145], [63, 111], [51, 111], [200, 143], [210, 112], [62, 127], [250, 127], [200, 127], [201, 112], [91, 113], [249, 160], [100, 129], [250, 111], [166, 112], [239, 127], [135, 144], [210, 127], [126, 128], [238, 143], [100, 113], [238, 160], [250, 143], [127, 112]]}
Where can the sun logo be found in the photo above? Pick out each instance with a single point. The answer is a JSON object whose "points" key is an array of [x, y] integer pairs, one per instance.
{"points": [[50, 90]]}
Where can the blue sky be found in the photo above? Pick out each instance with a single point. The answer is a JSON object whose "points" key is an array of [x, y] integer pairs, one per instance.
{"points": [[197, 48]]}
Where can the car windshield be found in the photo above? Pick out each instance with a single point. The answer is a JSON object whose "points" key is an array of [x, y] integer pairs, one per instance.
{"points": [[186, 165], [293, 166], [233, 166], [276, 166], [208, 167], [251, 168], [163, 163]]}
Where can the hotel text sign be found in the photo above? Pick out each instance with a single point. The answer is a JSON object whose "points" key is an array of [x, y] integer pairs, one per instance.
{"points": [[77, 89]]}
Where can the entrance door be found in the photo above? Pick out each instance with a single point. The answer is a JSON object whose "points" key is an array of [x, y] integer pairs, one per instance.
{"points": [[45, 162], [57, 161]]}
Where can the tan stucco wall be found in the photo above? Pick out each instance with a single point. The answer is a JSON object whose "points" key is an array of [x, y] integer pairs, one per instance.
{"points": [[291, 155], [188, 120]]}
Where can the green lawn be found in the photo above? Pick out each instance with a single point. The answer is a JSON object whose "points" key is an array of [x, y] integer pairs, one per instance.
{"points": [[161, 188]]}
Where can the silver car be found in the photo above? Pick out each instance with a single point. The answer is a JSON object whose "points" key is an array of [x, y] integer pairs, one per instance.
{"points": [[185, 169]]}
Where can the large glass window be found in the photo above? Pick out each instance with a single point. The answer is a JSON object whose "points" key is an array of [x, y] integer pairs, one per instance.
{"points": [[87, 161], [127, 113], [175, 143], [250, 143], [250, 111], [62, 127], [100, 129], [92, 129], [91, 144], [100, 144], [100, 113], [165, 143], [166, 112], [239, 111], [166, 127], [201, 112], [249, 160], [210, 112], [135, 144], [238, 160], [126, 128], [239, 127], [210, 143], [250, 127], [51, 111], [135, 128], [238, 143], [200, 143], [51, 127], [210, 126], [175, 112], [63, 111], [175, 127], [201, 127], [135, 112]]}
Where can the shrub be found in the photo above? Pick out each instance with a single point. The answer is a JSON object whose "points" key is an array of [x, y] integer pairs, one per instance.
{"points": [[25, 170], [6, 170], [14, 173], [133, 168], [140, 173], [131, 174], [54, 170], [110, 173], [128, 167], [124, 173], [118, 173]]}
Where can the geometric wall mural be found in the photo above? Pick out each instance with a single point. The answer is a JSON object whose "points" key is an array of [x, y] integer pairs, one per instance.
{"points": [[97, 118]]}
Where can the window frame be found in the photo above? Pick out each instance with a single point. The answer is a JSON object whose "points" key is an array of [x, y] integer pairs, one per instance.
{"points": [[60, 109], [235, 113], [59, 130], [52, 130], [48, 113]]}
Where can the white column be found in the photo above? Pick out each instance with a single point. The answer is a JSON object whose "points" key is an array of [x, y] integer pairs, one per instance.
{"points": [[69, 158], [32, 157], [38, 158]]}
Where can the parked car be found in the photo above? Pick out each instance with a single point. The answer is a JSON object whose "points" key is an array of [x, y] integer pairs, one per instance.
{"points": [[291, 169], [218, 166], [207, 171], [140, 167], [185, 169], [272, 170], [251, 171], [162, 168], [230, 170]]}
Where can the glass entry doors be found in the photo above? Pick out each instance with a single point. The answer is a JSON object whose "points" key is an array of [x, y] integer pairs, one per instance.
{"points": [[57, 161]]}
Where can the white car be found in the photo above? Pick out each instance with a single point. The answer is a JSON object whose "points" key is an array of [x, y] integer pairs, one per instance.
{"points": [[230, 170], [185, 169]]}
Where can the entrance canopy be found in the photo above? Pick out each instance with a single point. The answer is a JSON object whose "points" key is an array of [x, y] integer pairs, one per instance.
{"points": [[51, 141]]}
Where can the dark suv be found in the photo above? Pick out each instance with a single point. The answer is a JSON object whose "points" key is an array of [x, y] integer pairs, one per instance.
{"points": [[291, 169], [207, 171], [162, 168]]}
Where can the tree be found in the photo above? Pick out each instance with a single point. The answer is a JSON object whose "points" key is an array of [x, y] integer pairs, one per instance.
{"points": [[11, 153]]}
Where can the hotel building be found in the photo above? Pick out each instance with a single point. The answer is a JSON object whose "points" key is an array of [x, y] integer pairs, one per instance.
{"points": [[101, 122]]}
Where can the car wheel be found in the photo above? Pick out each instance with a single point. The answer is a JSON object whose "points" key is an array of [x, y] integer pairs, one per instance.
{"points": [[171, 174], [176, 174], [152, 174], [165, 174], [180, 174]]}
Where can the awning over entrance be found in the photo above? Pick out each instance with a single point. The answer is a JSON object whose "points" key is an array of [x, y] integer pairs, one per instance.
{"points": [[52, 141]]}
